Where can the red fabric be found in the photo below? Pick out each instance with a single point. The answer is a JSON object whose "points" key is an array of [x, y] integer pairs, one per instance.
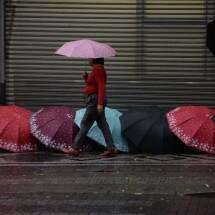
{"points": [[95, 83], [194, 126], [15, 132]]}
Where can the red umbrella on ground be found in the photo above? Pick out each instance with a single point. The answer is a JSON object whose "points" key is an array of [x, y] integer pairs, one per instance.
{"points": [[15, 133], [195, 126]]}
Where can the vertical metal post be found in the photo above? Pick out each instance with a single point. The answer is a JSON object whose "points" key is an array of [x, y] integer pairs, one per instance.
{"points": [[2, 52]]}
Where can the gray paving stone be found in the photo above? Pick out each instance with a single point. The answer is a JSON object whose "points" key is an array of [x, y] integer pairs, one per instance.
{"points": [[53, 183]]}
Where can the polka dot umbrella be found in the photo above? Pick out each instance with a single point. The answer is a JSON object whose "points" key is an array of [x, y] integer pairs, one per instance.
{"points": [[15, 132], [54, 126], [195, 126]]}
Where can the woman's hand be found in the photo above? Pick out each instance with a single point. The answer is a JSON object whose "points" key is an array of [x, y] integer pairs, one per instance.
{"points": [[85, 75], [100, 108]]}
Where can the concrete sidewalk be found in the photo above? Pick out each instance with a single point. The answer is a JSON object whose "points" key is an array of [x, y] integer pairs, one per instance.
{"points": [[54, 183]]}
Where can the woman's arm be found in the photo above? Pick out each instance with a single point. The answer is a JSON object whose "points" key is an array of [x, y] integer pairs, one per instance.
{"points": [[101, 81]]}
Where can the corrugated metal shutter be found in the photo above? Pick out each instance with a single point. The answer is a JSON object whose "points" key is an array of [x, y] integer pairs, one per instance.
{"points": [[2, 51], [162, 58]]}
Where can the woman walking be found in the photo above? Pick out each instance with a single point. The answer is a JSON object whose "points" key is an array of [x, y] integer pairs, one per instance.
{"points": [[95, 105]]}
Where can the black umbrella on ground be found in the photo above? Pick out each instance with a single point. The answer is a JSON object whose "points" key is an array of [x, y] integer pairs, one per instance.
{"points": [[147, 131], [211, 36]]}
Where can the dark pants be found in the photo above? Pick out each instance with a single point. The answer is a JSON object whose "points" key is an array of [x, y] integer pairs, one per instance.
{"points": [[91, 115]]}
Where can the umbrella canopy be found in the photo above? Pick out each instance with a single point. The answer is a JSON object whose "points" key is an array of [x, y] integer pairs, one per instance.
{"points": [[54, 126], [113, 121], [146, 130], [211, 36], [86, 49], [15, 132], [194, 125]]}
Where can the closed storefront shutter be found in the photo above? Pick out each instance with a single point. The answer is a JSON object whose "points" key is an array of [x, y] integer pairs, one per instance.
{"points": [[162, 57]]}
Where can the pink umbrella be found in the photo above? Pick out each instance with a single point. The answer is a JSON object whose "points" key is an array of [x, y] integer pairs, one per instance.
{"points": [[86, 49]]}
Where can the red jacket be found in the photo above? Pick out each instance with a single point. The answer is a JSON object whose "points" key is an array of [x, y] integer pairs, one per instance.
{"points": [[95, 83]]}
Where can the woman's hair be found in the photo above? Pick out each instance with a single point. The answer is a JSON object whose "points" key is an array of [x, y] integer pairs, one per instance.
{"points": [[98, 61]]}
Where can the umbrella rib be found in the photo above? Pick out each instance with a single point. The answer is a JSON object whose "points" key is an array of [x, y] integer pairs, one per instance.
{"points": [[199, 127], [10, 122], [139, 120], [148, 130], [185, 121], [57, 130], [89, 47], [93, 50], [46, 123]]}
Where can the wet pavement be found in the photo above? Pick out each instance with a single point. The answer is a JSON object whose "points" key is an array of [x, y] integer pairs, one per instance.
{"points": [[53, 183]]}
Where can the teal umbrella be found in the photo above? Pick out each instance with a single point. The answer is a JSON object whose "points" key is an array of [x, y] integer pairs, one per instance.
{"points": [[112, 116]]}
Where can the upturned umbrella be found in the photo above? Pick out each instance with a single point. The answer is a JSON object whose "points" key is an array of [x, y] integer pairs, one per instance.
{"points": [[54, 126], [86, 48], [146, 130], [112, 116], [15, 132], [195, 126]]}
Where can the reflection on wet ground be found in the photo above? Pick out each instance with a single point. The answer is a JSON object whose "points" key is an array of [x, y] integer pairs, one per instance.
{"points": [[54, 183]]}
